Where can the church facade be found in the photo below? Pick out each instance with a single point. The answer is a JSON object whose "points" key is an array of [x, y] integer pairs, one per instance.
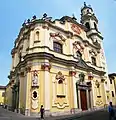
{"points": [[59, 64]]}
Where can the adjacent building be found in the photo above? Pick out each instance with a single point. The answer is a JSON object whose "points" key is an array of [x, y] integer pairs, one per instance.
{"points": [[112, 79], [59, 64], [2, 95]]}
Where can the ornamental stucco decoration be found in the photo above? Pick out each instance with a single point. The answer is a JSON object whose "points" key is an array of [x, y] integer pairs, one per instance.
{"points": [[78, 46], [99, 102], [93, 52], [76, 29], [56, 36], [59, 76]]}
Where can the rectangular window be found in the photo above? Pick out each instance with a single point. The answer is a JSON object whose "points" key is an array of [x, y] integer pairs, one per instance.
{"points": [[112, 94], [57, 47]]}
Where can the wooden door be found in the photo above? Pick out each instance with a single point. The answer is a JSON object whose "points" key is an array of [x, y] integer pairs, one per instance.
{"points": [[83, 99]]}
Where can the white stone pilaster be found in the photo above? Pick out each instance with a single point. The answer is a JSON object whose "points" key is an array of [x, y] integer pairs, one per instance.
{"points": [[47, 91], [27, 105], [75, 93], [79, 98], [87, 95], [46, 67], [93, 90]]}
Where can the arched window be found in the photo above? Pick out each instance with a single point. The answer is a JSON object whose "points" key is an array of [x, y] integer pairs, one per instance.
{"points": [[95, 26], [37, 36], [79, 54], [93, 59], [20, 56], [57, 47], [87, 25]]}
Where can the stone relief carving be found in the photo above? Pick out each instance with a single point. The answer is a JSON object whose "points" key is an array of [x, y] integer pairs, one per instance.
{"points": [[57, 36]]}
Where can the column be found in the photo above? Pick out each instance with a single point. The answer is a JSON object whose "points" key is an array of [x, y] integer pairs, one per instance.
{"points": [[20, 91], [46, 67], [87, 95], [27, 101], [73, 95], [79, 98], [103, 91], [91, 99], [93, 95]]}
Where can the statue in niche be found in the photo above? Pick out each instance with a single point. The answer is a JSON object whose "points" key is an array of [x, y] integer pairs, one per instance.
{"points": [[98, 88], [81, 77], [60, 84], [35, 79]]}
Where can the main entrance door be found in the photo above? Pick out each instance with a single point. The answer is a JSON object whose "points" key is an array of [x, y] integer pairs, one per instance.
{"points": [[83, 99]]}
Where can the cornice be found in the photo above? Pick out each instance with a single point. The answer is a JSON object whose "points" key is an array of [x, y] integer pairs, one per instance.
{"points": [[95, 34], [81, 65], [78, 65]]}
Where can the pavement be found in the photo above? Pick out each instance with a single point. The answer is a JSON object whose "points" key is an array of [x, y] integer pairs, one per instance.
{"points": [[87, 115]]}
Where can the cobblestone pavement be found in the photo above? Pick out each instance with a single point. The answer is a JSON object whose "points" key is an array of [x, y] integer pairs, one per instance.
{"points": [[95, 115]]}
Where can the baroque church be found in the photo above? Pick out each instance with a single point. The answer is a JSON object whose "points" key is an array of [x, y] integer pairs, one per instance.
{"points": [[59, 64]]}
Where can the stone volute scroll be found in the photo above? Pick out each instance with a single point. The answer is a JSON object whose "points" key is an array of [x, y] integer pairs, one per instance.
{"points": [[35, 79]]}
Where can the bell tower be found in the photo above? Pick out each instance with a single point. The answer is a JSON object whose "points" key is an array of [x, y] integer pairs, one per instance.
{"points": [[90, 21]]}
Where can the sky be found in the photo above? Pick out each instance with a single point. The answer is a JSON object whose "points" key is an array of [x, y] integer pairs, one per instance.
{"points": [[14, 12]]}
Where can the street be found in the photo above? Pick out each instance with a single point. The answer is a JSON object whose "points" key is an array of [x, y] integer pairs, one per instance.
{"points": [[101, 115]]}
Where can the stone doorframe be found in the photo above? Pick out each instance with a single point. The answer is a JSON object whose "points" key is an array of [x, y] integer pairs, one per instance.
{"points": [[89, 95]]}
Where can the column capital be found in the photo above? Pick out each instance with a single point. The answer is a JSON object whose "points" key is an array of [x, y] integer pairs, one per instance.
{"points": [[72, 73], [22, 73], [28, 69], [46, 67], [90, 76]]}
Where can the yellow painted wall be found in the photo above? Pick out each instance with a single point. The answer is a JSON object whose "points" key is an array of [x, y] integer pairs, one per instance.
{"points": [[8, 96], [1, 96]]}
